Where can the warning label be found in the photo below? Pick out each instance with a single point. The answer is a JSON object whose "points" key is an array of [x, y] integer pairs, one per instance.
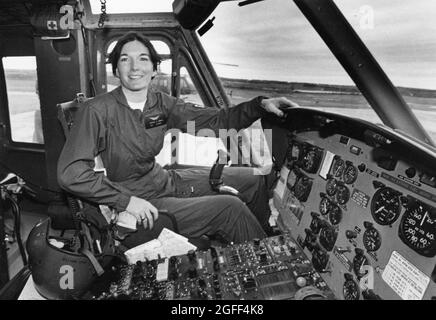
{"points": [[404, 278]]}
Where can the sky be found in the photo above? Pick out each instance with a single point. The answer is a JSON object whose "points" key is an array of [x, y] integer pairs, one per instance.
{"points": [[272, 40]]}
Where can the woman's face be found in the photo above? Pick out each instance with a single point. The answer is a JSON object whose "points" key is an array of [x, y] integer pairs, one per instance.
{"points": [[135, 68]]}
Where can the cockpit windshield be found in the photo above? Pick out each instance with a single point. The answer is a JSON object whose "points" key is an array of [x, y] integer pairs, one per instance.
{"points": [[270, 48]]}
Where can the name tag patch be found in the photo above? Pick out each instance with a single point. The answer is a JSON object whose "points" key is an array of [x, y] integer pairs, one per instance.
{"points": [[155, 121]]}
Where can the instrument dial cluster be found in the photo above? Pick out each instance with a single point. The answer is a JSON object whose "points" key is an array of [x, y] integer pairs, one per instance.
{"points": [[364, 208], [417, 228], [305, 156], [344, 171]]}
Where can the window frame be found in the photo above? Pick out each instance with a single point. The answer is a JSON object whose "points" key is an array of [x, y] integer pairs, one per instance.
{"points": [[5, 118]]}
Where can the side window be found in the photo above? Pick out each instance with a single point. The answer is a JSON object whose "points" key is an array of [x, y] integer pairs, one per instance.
{"points": [[23, 99], [195, 150], [188, 92]]}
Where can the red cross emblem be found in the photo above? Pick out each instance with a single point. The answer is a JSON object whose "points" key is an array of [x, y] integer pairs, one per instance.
{"points": [[52, 25]]}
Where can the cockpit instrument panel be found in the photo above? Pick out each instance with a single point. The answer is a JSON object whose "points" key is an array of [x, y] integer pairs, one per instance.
{"points": [[368, 228]]}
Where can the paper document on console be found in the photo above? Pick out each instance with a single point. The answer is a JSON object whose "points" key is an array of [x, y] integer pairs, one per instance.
{"points": [[168, 244], [150, 250], [167, 234]]}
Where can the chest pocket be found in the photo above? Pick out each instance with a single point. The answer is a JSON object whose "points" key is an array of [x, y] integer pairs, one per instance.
{"points": [[155, 124]]}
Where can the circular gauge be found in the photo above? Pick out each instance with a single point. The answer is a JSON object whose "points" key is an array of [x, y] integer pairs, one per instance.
{"points": [[324, 205], [371, 239], [338, 168], [418, 229], [320, 259], [315, 223], [331, 186], [351, 290], [350, 174], [385, 206], [343, 194], [311, 161], [359, 261], [328, 236], [335, 214], [302, 188]]}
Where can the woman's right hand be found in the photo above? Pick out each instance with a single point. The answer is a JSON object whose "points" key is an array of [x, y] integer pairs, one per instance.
{"points": [[144, 212]]}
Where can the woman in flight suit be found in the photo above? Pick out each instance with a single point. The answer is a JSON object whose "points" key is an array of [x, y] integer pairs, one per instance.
{"points": [[126, 127]]}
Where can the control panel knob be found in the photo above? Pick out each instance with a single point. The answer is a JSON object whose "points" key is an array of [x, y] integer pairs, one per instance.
{"points": [[359, 252], [301, 282], [367, 224], [350, 234], [411, 172], [348, 276], [314, 215], [378, 184]]}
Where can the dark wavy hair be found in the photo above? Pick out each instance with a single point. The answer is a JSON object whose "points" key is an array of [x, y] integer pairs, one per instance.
{"points": [[114, 56]]}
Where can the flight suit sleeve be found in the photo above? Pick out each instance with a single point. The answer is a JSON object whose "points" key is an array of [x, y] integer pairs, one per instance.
{"points": [[238, 117], [76, 162]]}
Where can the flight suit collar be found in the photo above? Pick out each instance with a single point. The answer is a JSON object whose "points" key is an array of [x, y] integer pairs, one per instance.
{"points": [[121, 98]]}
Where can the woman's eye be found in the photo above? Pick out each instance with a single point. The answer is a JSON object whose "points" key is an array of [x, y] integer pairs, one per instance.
{"points": [[123, 59]]}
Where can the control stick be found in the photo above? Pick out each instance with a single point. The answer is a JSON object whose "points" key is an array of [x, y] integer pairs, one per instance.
{"points": [[215, 177]]}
